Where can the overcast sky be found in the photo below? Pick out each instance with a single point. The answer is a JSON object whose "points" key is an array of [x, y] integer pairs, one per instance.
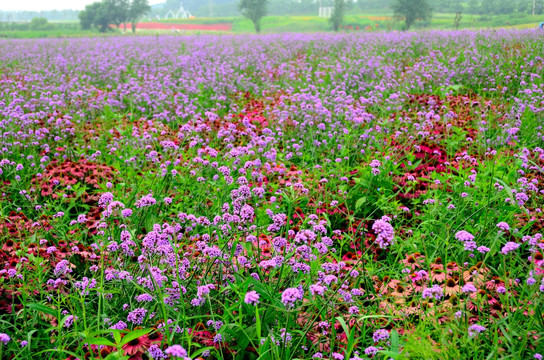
{"points": [[38, 5]]}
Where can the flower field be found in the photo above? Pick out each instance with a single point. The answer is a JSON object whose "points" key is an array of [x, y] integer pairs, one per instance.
{"points": [[349, 196]]}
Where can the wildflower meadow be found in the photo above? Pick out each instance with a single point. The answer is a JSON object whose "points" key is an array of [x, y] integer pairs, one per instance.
{"points": [[284, 196]]}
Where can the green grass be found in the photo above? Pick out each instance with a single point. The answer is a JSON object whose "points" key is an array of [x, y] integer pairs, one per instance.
{"points": [[116, 114], [384, 20], [279, 24], [36, 34]]}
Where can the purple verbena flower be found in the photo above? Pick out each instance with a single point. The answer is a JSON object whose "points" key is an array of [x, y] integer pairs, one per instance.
{"points": [[385, 234], [177, 351], [475, 329], [464, 236], [4, 338], [509, 247], [503, 226], [380, 335], [252, 298], [290, 296]]}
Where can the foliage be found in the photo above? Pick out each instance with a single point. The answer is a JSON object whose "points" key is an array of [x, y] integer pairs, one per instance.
{"points": [[137, 9], [356, 196], [278, 24], [39, 23], [412, 10], [486, 7], [96, 15], [338, 14], [118, 11], [254, 10], [102, 14], [457, 20], [50, 15]]}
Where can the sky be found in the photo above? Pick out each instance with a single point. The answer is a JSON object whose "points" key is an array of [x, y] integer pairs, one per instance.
{"points": [[39, 5]]}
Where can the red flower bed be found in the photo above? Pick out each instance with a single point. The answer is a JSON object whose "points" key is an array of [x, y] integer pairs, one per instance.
{"points": [[185, 27]]}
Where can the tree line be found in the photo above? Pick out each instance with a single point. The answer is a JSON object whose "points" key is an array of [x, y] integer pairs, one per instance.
{"points": [[102, 14], [492, 7], [305, 7], [407, 10], [50, 15]]}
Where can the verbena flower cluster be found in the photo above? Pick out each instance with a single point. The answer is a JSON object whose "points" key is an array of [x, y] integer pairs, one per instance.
{"points": [[329, 196]]}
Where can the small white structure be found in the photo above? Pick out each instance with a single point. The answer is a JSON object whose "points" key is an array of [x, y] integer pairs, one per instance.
{"points": [[325, 11], [181, 13]]}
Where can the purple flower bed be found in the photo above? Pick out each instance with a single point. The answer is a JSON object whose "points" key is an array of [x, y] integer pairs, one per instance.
{"points": [[291, 196]]}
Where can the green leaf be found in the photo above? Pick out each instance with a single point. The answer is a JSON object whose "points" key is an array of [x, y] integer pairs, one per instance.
{"points": [[395, 341], [116, 336], [343, 324], [265, 292], [360, 202], [100, 341], [200, 351], [133, 335], [43, 308], [350, 334], [258, 323], [391, 354], [242, 340], [49, 351], [117, 356]]}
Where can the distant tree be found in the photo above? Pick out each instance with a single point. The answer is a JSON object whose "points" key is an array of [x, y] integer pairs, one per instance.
{"points": [[506, 6], [457, 6], [105, 17], [489, 7], [474, 7], [138, 8], [294, 7], [374, 4], [534, 7], [118, 11], [254, 10], [498, 6], [457, 20], [524, 6], [102, 14], [88, 18], [39, 23], [338, 14], [412, 10], [539, 7], [447, 6]]}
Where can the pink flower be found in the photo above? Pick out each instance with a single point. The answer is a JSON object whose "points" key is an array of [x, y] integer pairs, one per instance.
{"points": [[475, 329], [252, 298], [464, 236], [177, 351], [4, 338], [503, 226], [385, 234], [510, 246], [290, 295]]}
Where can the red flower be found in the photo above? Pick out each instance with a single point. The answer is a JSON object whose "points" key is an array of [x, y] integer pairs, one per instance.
{"points": [[136, 346]]}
